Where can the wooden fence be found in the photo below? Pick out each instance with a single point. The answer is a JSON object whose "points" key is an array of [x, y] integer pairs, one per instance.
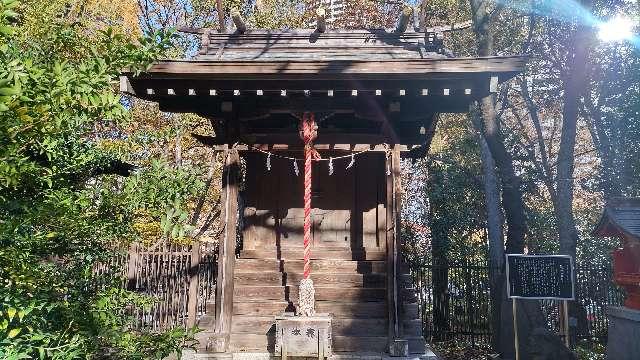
{"points": [[456, 306], [179, 278]]}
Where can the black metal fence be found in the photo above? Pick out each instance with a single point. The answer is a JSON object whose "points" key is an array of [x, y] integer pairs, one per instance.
{"points": [[454, 302]]}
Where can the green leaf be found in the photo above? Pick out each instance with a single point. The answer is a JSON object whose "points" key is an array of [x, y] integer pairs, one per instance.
{"points": [[10, 14], [9, 91], [10, 4], [7, 30], [11, 312], [13, 333]]}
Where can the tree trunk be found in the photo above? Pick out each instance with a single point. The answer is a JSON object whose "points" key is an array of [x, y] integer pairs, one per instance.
{"points": [[511, 192], [573, 85], [495, 222], [529, 315]]}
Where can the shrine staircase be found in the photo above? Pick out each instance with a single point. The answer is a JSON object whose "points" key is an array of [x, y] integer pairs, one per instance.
{"points": [[349, 284]]}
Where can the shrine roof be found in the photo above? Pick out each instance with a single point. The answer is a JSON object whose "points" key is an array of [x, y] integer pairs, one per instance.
{"points": [[300, 53], [369, 87], [301, 44], [621, 217]]}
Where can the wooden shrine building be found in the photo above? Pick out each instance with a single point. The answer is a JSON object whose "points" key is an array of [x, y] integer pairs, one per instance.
{"points": [[375, 95]]}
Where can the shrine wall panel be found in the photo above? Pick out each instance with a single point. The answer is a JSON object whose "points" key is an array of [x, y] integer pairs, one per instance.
{"points": [[348, 205]]}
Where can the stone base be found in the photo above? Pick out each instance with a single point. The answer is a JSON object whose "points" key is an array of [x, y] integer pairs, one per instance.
{"points": [[303, 336], [191, 355], [624, 332], [399, 348]]}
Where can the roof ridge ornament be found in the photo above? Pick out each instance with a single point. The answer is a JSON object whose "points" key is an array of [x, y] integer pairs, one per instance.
{"points": [[241, 26], [403, 21], [321, 21]]}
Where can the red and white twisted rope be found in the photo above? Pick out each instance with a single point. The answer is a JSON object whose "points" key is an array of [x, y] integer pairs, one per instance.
{"points": [[309, 133]]}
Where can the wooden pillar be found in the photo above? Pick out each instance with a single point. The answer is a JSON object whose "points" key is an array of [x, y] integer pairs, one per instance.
{"points": [[397, 346], [132, 267], [226, 253], [194, 277]]}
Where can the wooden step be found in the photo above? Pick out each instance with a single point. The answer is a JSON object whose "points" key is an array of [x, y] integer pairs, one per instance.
{"points": [[408, 295], [252, 342], [338, 310], [255, 307], [257, 265], [375, 309], [410, 311], [412, 327], [250, 324], [360, 343], [336, 266], [358, 327], [318, 266], [273, 278], [405, 280], [266, 343], [322, 254], [294, 246], [341, 343], [417, 344], [245, 292], [345, 280], [208, 320], [290, 293]]}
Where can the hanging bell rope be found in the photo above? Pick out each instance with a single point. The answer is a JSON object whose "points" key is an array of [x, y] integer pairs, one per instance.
{"points": [[308, 133]]}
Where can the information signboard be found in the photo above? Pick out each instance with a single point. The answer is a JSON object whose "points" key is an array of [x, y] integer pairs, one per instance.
{"points": [[540, 277]]}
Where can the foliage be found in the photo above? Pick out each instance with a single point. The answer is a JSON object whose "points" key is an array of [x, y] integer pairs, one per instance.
{"points": [[590, 351], [66, 203], [607, 132], [461, 350], [454, 188]]}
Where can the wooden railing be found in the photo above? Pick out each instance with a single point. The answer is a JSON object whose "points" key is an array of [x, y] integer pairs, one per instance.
{"points": [[179, 278]]}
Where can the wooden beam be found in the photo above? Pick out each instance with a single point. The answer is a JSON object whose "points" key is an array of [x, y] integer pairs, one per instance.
{"points": [[405, 17], [220, 10], [390, 242], [320, 69], [319, 147], [321, 23], [397, 345], [226, 254], [241, 27]]}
